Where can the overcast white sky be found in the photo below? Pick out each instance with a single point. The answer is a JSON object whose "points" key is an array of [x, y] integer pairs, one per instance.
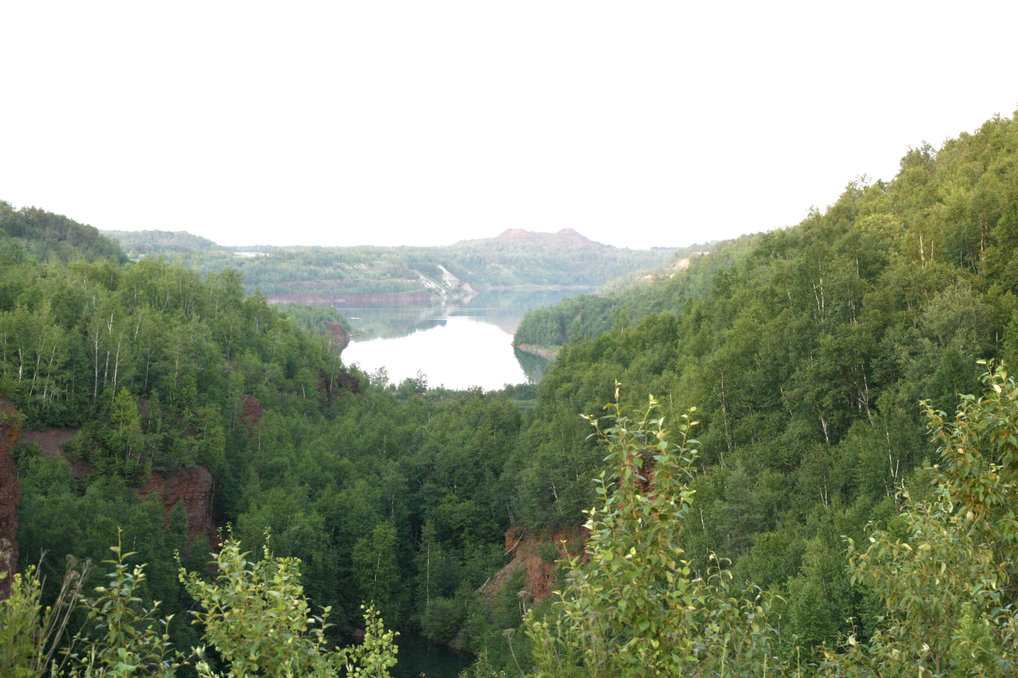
{"points": [[426, 122]]}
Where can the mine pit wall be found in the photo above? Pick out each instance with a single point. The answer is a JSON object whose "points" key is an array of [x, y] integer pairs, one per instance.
{"points": [[10, 495], [192, 487]]}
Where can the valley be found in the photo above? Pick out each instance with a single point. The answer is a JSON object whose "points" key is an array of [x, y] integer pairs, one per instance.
{"points": [[806, 464]]}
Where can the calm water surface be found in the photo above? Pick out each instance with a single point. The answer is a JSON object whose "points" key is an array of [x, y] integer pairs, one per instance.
{"points": [[459, 352], [457, 348], [417, 657]]}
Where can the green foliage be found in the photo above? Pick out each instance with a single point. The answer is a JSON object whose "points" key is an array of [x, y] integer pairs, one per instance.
{"points": [[483, 667], [375, 566], [636, 607], [548, 552], [120, 636], [257, 618], [591, 315], [806, 349], [73, 338], [31, 632], [171, 244], [945, 580], [315, 319], [123, 636], [43, 236], [375, 655]]}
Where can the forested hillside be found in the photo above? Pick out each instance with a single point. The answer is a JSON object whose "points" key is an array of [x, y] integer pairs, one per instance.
{"points": [[36, 234], [183, 405], [809, 516], [352, 276], [807, 355], [585, 316]]}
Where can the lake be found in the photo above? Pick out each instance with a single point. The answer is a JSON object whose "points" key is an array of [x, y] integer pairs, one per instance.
{"points": [[458, 348], [417, 657]]}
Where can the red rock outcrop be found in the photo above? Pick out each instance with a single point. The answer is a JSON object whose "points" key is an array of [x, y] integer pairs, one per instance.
{"points": [[516, 234], [193, 487], [251, 411], [567, 237], [349, 382], [10, 494], [51, 441], [339, 338], [539, 573]]}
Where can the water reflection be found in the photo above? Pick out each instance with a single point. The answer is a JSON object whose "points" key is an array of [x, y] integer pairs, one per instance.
{"points": [[534, 366], [458, 353], [389, 322], [503, 308], [458, 347], [417, 657]]}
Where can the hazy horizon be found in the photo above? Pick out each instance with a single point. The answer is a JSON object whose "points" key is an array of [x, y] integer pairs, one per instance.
{"points": [[402, 123], [112, 232]]}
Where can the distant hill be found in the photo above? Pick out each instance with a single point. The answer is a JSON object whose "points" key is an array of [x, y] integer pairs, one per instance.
{"points": [[144, 244], [39, 235], [565, 237], [373, 276]]}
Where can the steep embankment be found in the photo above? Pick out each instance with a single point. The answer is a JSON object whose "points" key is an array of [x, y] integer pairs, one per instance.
{"points": [[687, 278], [806, 352], [10, 494], [537, 556], [192, 487], [339, 338]]}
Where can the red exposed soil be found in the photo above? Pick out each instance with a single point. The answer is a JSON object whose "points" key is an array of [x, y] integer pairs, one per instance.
{"points": [[349, 382], [338, 337], [192, 486], [251, 411], [539, 577], [567, 237], [50, 440], [81, 469], [516, 234], [10, 495]]}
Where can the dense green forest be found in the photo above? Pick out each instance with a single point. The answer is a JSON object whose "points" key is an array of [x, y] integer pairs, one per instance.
{"points": [[158, 369], [590, 315], [809, 516], [32, 233], [807, 354]]}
